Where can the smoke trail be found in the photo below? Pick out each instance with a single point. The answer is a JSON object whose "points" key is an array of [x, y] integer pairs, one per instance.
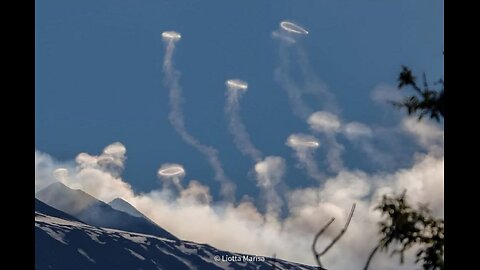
{"points": [[304, 147], [329, 125], [282, 77], [269, 173], [334, 154], [236, 88], [288, 34], [361, 136], [177, 119]]}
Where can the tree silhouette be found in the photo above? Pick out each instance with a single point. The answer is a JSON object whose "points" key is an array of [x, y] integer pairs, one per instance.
{"points": [[404, 227], [426, 101]]}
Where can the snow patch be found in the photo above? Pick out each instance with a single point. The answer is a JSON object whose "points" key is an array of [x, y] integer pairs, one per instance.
{"points": [[185, 249], [184, 261], [94, 237], [135, 238], [136, 254], [85, 255], [57, 235]]}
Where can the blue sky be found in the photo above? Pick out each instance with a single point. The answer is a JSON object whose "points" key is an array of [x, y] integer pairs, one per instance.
{"points": [[99, 76]]}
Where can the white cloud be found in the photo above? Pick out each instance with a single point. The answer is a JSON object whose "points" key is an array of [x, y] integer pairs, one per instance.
{"points": [[426, 132], [196, 194], [44, 168], [269, 173]]}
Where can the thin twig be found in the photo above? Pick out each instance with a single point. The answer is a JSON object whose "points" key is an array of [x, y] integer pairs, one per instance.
{"points": [[425, 83], [341, 232], [314, 250], [317, 254], [370, 257]]}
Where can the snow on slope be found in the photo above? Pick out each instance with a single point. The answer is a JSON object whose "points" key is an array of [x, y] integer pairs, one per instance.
{"points": [[121, 205], [69, 244]]}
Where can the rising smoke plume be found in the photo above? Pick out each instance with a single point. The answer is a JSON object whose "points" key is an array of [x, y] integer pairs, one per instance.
{"points": [[171, 173], [172, 77], [294, 59], [269, 171], [304, 147], [235, 89]]}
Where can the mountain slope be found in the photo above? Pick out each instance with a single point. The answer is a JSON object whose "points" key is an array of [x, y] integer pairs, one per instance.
{"points": [[65, 244], [46, 209], [61, 197], [121, 205], [95, 212]]}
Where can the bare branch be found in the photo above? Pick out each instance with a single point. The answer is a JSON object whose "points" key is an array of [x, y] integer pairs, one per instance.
{"points": [[335, 240], [341, 232], [370, 257], [425, 83], [314, 250]]}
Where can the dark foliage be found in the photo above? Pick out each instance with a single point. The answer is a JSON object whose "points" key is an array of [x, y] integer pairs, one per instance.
{"points": [[404, 227], [425, 101]]}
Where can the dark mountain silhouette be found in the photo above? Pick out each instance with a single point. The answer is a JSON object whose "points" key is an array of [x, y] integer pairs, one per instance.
{"points": [[46, 209], [94, 212]]}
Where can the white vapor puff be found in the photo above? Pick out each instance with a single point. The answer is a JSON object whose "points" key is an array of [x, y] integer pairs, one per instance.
{"points": [[325, 122], [173, 173], [60, 174], [236, 88], [236, 84], [269, 173], [171, 36], [304, 147], [177, 120], [112, 159]]}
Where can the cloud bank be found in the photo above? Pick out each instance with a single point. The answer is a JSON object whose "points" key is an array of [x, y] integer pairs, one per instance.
{"points": [[242, 227]]}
